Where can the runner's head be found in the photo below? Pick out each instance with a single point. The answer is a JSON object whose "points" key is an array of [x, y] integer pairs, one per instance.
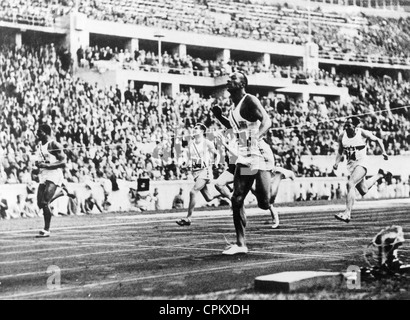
{"points": [[44, 130], [237, 81], [351, 124], [199, 129]]}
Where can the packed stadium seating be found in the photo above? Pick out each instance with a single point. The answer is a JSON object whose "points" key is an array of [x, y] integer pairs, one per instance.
{"points": [[339, 36], [354, 38], [109, 132], [100, 127]]}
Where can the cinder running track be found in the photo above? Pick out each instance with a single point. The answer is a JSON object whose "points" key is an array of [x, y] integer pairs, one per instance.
{"points": [[135, 256]]}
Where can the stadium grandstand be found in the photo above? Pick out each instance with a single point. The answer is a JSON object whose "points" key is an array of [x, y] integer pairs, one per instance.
{"points": [[122, 83]]}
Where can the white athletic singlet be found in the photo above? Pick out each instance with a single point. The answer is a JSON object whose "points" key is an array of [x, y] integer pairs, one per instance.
{"points": [[56, 175], [201, 159], [250, 148], [355, 150]]}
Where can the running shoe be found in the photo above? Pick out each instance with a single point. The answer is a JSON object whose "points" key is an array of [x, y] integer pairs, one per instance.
{"points": [[184, 222], [275, 218], [342, 217], [235, 249], [43, 234]]}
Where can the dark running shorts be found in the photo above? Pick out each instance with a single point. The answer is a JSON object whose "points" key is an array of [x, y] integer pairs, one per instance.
{"points": [[231, 168]]}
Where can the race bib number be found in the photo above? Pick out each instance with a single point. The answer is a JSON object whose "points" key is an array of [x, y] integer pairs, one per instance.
{"points": [[197, 165], [350, 153]]}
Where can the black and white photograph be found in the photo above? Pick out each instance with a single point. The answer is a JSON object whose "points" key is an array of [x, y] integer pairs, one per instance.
{"points": [[206, 157]]}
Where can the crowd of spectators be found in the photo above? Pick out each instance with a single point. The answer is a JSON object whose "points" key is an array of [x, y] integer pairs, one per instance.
{"points": [[108, 133], [105, 58], [339, 36], [112, 134], [360, 37], [35, 12]]}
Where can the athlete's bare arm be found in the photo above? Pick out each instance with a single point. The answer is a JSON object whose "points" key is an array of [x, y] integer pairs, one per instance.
{"points": [[370, 136], [189, 155], [217, 111], [252, 110], [214, 152], [221, 139], [339, 154]]}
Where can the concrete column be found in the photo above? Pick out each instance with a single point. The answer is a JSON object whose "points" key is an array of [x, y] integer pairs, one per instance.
{"points": [[171, 89], [271, 94], [132, 45], [78, 34], [399, 77], [333, 70], [305, 96], [265, 59], [311, 57], [224, 55], [366, 73], [18, 39], [180, 50]]}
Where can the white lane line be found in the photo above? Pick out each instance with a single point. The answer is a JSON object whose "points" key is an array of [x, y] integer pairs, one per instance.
{"points": [[197, 232], [93, 266], [134, 227], [88, 239], [142, 247], [79, 243], [73, 246], [73, 234], [72, 256], [200, 215], [76, 228], [310, 243], [72, 289], [90, 242], [329, 232]]}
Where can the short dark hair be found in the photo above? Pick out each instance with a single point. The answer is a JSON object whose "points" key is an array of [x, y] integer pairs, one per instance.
{"points": [[244, 79], [355, 121], [45, 128], [201, 125]]}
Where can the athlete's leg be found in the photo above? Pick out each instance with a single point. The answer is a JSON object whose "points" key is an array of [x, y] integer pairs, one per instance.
{"points": [[45, 194], [62, 191], [97, 205], [275, 182], [206, 194], [364, 185], [263, 188], [199, 185], [221, 184], [276, 179], [242, 185], [40, 192], [57, 195], [358, 174]]}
